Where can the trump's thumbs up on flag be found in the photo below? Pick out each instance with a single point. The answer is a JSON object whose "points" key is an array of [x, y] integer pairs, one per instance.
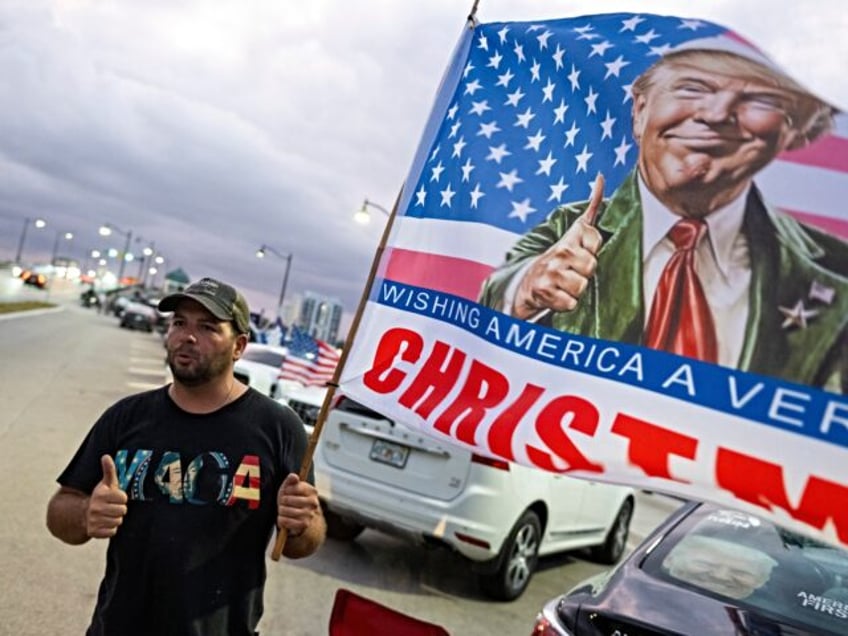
{"points": [[107, 504], [557, 278]]}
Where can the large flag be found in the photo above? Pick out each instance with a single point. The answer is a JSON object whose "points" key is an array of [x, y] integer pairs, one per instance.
{"points": [[537, 110], [526, 117], [309, 361]]}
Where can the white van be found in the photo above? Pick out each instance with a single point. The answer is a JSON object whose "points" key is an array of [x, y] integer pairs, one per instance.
{"points": [[373, 472]]}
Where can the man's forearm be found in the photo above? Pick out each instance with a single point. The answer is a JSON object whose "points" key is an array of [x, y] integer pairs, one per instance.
{"points": [[66, 516]]}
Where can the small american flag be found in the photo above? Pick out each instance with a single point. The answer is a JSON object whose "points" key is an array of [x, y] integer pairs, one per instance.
{"points": [[309, 361]]}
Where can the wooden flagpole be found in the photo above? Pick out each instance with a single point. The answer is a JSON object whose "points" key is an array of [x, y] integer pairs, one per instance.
{"points": [[282, 533], [472, 15]]}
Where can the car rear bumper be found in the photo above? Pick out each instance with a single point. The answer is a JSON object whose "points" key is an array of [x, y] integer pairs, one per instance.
{"points": [[137, 321], [481, 511]]}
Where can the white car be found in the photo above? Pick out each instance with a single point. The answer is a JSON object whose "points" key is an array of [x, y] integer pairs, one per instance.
{"points": [[259, 367], [306, 401], [373, 472]]}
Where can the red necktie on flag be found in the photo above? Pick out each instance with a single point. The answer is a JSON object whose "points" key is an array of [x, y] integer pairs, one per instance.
{"points": [[680, 320]]}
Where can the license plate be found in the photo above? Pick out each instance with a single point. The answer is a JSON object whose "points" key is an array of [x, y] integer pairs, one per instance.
{"points": [[389, 453]]}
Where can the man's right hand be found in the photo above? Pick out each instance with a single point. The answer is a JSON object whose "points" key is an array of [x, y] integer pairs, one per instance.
{"points": [[558, 277], [107, 504]]}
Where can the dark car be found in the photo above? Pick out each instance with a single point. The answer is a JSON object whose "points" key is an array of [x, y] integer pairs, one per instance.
{"points": [[35, 279], [711, 570], [138, 315]]}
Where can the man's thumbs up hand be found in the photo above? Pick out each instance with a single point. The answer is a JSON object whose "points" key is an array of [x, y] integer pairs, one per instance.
{"points": [[559, 276], [110, 473], [107, 504]]}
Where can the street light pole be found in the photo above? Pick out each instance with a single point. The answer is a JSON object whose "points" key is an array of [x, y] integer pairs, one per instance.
{"points": [[144, 261], [39, 223], [124, 257], [68, 236], [158, 264], [106, 230], [363, 216], [260, 253]]}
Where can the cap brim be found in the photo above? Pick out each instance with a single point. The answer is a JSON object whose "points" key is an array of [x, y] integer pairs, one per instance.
{"points": [[170, 303]]}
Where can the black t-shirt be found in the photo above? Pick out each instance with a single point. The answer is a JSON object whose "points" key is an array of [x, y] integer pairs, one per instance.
{"points": [[189, 558]]}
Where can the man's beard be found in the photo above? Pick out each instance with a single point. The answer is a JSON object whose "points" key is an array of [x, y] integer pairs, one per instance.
{"points": [[203, 370]]}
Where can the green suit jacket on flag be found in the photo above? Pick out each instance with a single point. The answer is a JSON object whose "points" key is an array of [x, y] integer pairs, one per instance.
{"points": [[790, 262]]}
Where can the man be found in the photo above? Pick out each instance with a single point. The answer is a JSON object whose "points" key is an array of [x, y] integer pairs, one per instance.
{"points": [[723, 567], [188, 482], [752, 288]]}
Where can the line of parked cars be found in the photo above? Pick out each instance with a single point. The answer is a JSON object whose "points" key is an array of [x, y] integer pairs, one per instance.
{"points": [[135, 309]]}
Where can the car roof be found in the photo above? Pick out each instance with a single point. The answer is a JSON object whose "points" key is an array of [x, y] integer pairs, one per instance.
{"points": [[258, 346], [134, 304]]}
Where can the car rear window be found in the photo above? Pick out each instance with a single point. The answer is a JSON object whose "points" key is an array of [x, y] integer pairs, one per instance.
{"points": [[352, 406], [733, 555]]}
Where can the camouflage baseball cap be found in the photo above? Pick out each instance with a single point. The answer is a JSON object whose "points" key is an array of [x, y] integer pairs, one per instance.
{"points": [[223, 301]]}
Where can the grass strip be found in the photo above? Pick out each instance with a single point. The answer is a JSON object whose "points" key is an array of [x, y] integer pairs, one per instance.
{"points": [[28, 305]]}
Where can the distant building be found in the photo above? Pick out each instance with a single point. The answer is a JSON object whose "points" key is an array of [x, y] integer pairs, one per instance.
{"points": [[320, 316], [291, 309], [175, 281]]}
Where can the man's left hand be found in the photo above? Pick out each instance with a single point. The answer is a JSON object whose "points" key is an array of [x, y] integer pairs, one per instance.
{"points": [[297, 505]]}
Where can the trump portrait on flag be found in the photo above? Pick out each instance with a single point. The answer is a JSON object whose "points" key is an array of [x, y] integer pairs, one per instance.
{"points": [[686, 255]]}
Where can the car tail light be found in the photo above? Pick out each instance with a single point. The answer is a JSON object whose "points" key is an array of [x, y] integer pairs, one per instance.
{"points": [[337, 399], [498, 464], [544, 627], [547, 624]]}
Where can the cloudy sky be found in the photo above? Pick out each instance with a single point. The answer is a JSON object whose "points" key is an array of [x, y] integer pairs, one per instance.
{"points": [[210, 127]]}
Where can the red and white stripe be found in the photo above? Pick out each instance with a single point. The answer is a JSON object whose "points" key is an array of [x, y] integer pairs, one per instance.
{"points": [[315, 372]]}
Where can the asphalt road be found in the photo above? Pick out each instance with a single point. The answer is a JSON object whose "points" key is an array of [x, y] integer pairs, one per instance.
{"points": [[60, 369]]}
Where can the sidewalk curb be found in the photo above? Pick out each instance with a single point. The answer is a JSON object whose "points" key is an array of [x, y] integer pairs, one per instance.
{"points": [[31, 312]]}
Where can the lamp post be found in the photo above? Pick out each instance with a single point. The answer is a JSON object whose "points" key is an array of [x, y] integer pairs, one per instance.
{"points": [[39, 224], [363, 216], [106, 230], [68, 236], [156, 264], [260, 253], [144, 261]]}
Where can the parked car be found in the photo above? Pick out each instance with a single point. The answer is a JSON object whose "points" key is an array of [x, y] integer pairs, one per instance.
{"points": [[259, 367], [116, 304], [710, 570], [139, 315], [374, 472], [306, 401]]}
